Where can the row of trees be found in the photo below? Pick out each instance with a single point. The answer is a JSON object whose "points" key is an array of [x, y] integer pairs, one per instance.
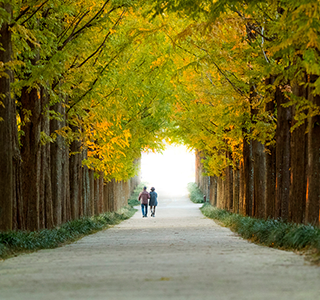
{"points": [[249, 102], [87, 85], [84, 90]]}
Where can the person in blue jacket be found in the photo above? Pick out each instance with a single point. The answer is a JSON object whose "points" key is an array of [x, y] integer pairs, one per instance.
{"points": [[153, 202]]}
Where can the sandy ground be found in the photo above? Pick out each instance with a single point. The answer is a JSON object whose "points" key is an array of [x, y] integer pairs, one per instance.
{"points": [[177, 255]]}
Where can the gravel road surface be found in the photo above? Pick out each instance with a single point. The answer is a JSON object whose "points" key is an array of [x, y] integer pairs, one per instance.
{"points": [[179, 254]]}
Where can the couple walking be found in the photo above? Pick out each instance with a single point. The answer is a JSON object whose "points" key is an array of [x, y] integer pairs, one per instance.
{"points": [[143, 198]]}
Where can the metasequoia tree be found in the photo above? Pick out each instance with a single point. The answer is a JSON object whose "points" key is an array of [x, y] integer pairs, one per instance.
{"points": [[90, 84], [266, 55]]}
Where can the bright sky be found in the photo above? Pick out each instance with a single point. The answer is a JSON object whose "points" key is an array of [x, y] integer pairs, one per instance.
{"points": [[170, 171]]}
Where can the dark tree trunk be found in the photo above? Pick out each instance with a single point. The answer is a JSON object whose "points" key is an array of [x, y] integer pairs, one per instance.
{"points": [[213, 190], [313, 170], [270, 181], [236, 185], [229, 184], [101, 190], [75, 170], [270, 170], [220, 193], [7, 123], [248, 178], [46, 206], [91, 193], [298, 167], [31, 157], [259, 178], [59, 170], [282, 156], [241, 188], [96, 196], [85, 188], [106, 203], [111, 198]]}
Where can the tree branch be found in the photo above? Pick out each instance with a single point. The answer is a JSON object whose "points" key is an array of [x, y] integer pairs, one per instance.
{"points": [[22, 13], [35, 12], [87, 25], [104, 41]]}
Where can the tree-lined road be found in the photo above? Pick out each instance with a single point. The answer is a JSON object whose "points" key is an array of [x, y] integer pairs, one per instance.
{"points": [[178, 255]]}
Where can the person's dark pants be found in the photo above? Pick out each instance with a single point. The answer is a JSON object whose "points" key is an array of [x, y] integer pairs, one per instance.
{"points": [[144, 209]]}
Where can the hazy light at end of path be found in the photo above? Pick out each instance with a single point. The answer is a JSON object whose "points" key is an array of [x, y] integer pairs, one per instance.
{"points": [[169, 172]]}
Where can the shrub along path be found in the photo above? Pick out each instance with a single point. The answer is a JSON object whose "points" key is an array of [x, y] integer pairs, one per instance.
{"points": [[180, 254]]}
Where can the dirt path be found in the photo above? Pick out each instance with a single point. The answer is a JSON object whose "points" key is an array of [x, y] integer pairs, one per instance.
{"points": [[177, 255]]}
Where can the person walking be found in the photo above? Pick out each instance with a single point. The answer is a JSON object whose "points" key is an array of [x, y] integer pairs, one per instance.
{"points": [[153, 202], [143, 198]]}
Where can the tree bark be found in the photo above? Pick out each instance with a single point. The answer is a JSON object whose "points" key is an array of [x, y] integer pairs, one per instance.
{"points": [[106, 203], [229, 184], [31, 157], [282, 156], [213, 190], [85, 188], [236, 184], [101, 191], [241, 188], [7, 119], [59, 152], [96, 196], [259, 179], [75, 169], [297, 203], [313, 173], [270, 170], [91, 193], [46, 206], [248, 178]]}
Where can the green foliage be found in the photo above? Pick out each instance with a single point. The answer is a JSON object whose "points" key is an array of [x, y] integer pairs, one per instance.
{"points": [[195, 194], [271, 233], [14, 242]]}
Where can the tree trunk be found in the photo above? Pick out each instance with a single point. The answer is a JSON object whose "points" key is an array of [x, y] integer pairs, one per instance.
{"points": [[85, 188], [31, 157], [229, 184], [46, 205], [313, 173], [101, 190], [270, 170], [220, 193], [241, 188], [96, 196], [282, 156], [297, 203], [259, 179], [7, 122], [59, 152], [91, 211], [75, 169], [248, 178], [106, 203], [197, 168], [213, 190], [236, 184]]}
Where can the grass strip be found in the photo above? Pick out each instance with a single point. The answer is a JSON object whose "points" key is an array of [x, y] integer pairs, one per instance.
{"points": [[271, 233], [195, 193], [14, 242]]}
